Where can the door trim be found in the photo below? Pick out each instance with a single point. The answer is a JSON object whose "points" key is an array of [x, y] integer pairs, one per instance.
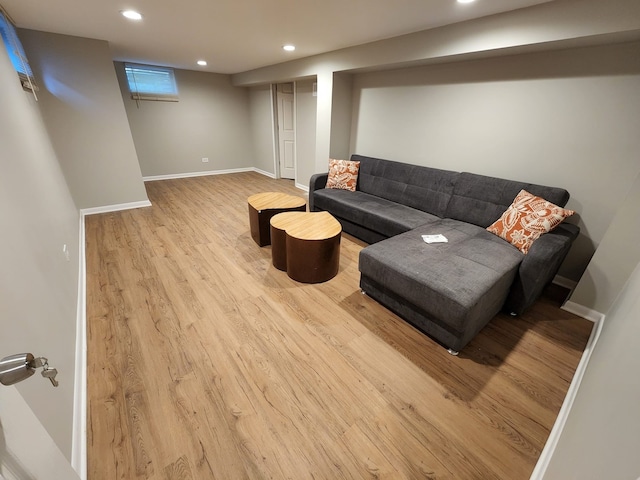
{"points": [[276, 135], [80, 403]]}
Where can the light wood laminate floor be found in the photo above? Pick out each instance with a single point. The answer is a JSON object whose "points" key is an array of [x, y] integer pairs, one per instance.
{"points": [[206, 362]]}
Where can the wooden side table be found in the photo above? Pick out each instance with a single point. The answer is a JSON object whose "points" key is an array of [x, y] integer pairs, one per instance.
{"points": [[306, 245], [263, 206]]}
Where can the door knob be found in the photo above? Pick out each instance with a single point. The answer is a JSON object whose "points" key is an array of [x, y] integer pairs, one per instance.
{"points": [[19, 367], [15, 368]]}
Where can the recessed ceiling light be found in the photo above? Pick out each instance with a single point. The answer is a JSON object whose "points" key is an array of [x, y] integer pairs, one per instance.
{"points": [[131, 14], [202, 63], [466, 1], [289, 48]]}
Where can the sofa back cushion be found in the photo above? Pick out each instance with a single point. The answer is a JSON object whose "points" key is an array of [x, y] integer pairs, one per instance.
{"points": [[427, 189], [482, 200]]}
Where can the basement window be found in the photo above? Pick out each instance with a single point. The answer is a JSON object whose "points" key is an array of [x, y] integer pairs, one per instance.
{"points": [[16, 52], [151, 83]]}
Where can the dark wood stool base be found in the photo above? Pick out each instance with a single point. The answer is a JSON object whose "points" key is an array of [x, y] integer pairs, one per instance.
{"points": [[263, 206], [306, 246], [313, 261], [259, 222], [279, 248]]}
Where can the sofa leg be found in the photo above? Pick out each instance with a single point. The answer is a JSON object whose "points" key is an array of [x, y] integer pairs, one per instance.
{"points": [[453, 352]]}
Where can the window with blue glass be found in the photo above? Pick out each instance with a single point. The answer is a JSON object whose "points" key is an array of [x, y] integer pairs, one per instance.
{"points": [[15, 50], [151, 83]]}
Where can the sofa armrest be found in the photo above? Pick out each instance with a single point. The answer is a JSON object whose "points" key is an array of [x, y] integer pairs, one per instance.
{"points": [[316, 182], [539, 267], [568, 230]]}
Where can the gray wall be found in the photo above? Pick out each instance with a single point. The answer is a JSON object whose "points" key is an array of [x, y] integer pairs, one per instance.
{"points": [[601, 438], [615, 258], [261, 111], [210, 120], [566, 118], [82, 109], [38, 287], [341, 110]]}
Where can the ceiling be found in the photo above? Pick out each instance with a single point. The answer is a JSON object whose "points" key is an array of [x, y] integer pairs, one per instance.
{"points": [[239, 35]]}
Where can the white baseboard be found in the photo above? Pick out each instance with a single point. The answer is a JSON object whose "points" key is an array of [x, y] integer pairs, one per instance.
{"points": [[565, 282], [265, 173], [173, 176], [584, 312], [79, 432], [554, 437], [303, 187], [115, 208]]}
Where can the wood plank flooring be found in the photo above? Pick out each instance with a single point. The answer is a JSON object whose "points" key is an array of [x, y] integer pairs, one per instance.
{"points": [[206, 362]]}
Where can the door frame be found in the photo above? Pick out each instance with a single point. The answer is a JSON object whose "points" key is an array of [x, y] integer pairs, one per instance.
{"points": [[275, 133]]}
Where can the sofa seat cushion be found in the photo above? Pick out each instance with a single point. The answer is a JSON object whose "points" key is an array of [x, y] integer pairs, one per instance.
{"points": [[461, 284], [378, 214]]}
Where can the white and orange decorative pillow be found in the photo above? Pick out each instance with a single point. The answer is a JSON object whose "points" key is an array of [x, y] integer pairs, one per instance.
{"points": [[526, 219], [343, 174]]}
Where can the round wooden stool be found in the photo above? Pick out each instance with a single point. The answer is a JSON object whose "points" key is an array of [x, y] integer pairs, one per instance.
{"points": [[263, 206], [306, 245]]}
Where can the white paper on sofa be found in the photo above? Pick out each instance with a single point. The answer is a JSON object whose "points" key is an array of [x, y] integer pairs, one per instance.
{"points": [[435, 238]]}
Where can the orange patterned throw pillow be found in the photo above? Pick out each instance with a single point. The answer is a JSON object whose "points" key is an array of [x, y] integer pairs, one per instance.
{"points": [[343, 174], [526, 219]]}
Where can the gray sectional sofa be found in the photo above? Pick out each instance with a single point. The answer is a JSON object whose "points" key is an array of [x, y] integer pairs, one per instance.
{"points": [[450, 291]]}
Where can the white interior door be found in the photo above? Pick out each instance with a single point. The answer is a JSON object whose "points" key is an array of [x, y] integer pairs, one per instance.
{"points": [[27, 452], [285, 102]]}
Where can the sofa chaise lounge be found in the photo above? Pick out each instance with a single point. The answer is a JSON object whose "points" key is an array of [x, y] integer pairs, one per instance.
{"points": [[450, 291]]}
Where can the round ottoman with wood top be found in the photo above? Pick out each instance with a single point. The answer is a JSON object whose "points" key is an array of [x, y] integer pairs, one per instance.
{"points": [[263, 206], [306, 245]]}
